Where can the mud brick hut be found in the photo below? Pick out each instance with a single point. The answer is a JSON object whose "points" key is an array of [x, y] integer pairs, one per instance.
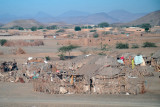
{"points": [[96, 75], [156, 61]]}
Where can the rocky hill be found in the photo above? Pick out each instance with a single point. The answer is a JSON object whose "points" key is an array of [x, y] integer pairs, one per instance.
{"points": [[152, 18], [23, 23], [125, 16]]}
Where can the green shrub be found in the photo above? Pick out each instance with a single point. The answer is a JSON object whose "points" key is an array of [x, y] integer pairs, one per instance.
{"points": [[103, 24], [86, 27], [44, 30], [47, 58], [34, 28], [151, 54], [135, 46], [93, 30], [101, 53], [2, 42], [41, 27], [104, 47], [122, 45], [95, 35], [149, 44], [20, 28], [77, 28], [65, 49], [52, 27], [122, 32], [146, 26], [61, 56]]}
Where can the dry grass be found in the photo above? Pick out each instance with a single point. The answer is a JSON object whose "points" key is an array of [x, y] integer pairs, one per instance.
{"points": [[24, 43], [18, 51]]}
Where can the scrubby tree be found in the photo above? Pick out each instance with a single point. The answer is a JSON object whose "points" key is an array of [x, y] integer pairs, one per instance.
{"points": [[41, 27], [65, 49], [103, 24], [86, 27], [149, 44], [2, 42], [95, 35], [122, 45], [77, 28], [34, 28], [52, 27], [146, 26], [20, 28]]}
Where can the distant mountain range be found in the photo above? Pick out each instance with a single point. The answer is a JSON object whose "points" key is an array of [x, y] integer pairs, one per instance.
{"points": [[76, 17]]}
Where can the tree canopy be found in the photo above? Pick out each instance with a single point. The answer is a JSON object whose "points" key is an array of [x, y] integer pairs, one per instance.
{"points": [[77, 28], [20, 28], [52, 27], [34, 28], [146, 26], [103, 24], [65, 49]]}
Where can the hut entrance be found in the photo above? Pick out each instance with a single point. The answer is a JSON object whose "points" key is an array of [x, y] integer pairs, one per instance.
{"points": [[91, 85]]}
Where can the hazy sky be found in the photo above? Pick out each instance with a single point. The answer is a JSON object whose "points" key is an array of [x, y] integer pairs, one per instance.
{"points": [[57, 7]]}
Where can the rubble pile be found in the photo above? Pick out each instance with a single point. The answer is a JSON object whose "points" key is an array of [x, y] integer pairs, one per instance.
{"points": [[85, 74], [97, 74], [18, 51], [8, 66], [8, 71], [60, 84]]}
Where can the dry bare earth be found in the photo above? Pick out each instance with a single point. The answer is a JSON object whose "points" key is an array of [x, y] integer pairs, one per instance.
{"points": [[22, 95]]}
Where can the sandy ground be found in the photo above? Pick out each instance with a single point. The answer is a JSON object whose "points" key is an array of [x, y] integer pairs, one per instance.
{"points": [[22, 95]]}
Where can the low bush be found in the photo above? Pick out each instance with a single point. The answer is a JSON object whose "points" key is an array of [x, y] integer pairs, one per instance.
{"points": [[135, 46], [47, 58], [2, 42], [93, 30], [95, 35], [149, 44], [122, 45], [101, 53], [77, 28], [34, 28], [61, 56]]}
